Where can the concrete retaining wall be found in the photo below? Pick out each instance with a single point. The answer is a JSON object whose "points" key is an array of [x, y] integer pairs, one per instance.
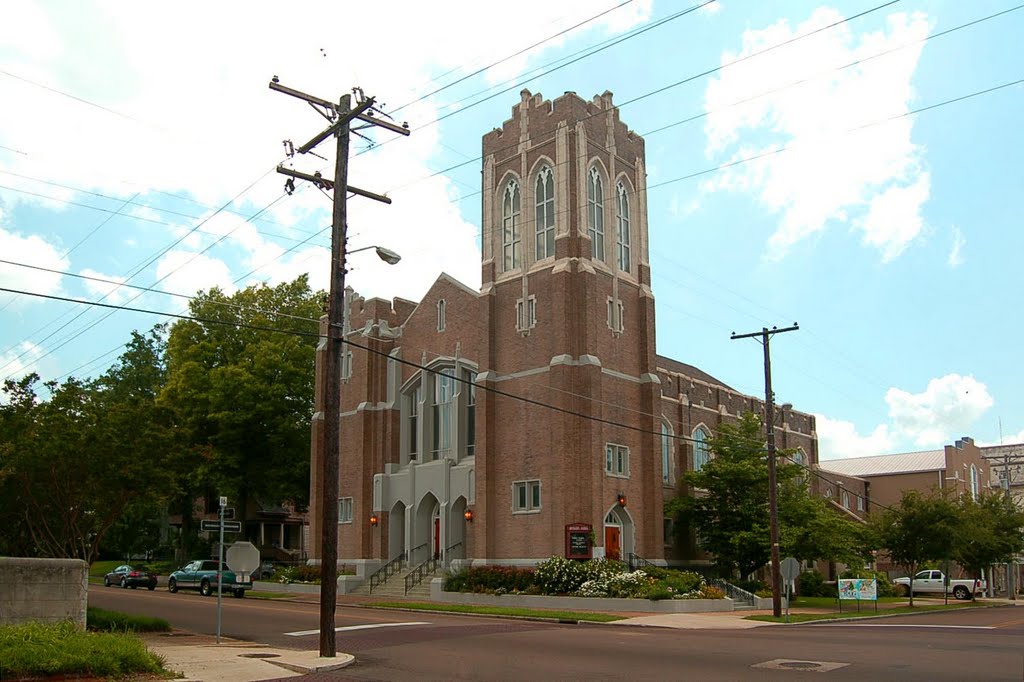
{"points": [[438, 594], [45, 590]]}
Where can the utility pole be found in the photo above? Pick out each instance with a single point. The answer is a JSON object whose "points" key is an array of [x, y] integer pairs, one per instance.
{"points": [[769, 417], [340, 116]]}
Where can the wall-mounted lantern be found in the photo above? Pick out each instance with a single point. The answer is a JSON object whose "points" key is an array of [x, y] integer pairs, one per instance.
{"points": [[622, 499], [374, 520], [468, 515]]}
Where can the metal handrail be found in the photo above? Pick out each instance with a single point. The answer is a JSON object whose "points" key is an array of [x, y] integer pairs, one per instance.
{"points": [[636, 561], [412, 552], [733, 592], [381, 575], [448, 549], [416, 575]]}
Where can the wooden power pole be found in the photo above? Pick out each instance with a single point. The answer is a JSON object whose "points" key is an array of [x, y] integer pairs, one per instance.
{"points": [[340, 116], [773, 494]]}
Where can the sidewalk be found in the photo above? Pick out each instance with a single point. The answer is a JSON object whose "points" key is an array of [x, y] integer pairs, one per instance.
{"points": [[200, 659]]}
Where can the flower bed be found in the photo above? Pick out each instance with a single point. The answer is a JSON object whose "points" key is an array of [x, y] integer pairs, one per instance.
{"points": [[599, 578]]}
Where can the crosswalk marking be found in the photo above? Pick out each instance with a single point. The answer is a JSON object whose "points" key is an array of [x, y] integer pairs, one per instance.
{"points": [[369, 626]]}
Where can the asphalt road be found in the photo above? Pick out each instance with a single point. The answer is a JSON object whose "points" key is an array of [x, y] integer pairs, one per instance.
{"points": [[980, 644]]}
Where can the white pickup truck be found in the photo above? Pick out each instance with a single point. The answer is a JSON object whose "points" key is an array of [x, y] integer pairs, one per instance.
{"points": [[928, 582]]}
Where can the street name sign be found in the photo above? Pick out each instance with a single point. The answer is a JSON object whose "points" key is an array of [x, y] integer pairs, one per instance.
{"points": [[214, 525]]}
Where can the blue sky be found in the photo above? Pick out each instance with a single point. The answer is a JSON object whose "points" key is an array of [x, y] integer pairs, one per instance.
{"points": [[895, 245]]}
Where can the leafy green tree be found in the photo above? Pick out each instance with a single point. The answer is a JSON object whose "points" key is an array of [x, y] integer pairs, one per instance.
{"points": [[77, 461], [991, 530], [243, 397], [920, 529], [729, 509]]}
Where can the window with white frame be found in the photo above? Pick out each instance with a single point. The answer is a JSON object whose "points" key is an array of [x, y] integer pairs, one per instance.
{"points": [[469, 389], [441, 305], [701, 451], [526, 313], [344, 510], [526, 496], [622, 239], [666, 454], [346, 365], [616, 312], [616, 460], [974, 483], [413, 399], [545, 213], [860, 503], [444, 398], [846, 499], [510, 239], [595, 213]]}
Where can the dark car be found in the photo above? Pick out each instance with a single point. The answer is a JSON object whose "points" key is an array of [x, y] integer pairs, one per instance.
{"points": [[131, 576], [202, 575]]}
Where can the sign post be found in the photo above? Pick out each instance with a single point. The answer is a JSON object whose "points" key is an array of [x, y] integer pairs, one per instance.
{"points": [[577, 541], [790, 571], [220, 563]]}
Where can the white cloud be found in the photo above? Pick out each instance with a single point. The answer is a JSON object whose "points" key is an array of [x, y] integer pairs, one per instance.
{"points": [[187, 272], [872, 179], [30, 250], [956, 256], [111, 292], [948, 408], [713, 8], [839, 439], [1006, 439], [17, 362]]}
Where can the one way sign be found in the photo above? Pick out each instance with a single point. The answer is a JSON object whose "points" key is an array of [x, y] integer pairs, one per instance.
{"points": [[214, 525]]}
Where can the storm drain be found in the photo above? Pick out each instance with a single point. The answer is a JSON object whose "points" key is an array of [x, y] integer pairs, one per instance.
{"points": [[259, 655], [809, 666]]}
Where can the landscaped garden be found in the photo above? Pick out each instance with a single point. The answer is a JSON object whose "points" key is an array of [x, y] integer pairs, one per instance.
{"points": [[595, 578]]}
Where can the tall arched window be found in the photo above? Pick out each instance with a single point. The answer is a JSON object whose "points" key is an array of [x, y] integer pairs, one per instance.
{"points": [[444, 396], [974, 483], [622, 218], [510, 226], [545, 213], [666, 454], [595, 214], [701, 452]]}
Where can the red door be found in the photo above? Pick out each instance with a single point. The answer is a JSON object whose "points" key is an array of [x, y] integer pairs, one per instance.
{"points": [[437, 538], [612, 549]]}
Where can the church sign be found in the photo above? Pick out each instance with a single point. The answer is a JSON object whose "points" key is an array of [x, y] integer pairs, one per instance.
{"points": [[577, 541]]}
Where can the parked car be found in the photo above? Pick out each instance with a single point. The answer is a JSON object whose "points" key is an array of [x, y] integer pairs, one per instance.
{"points": [[265, 571], [131, 576], [202, 575], [931, 581]]}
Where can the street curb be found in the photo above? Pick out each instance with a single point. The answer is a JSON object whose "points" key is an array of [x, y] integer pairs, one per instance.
{"points": [[884, 615]]}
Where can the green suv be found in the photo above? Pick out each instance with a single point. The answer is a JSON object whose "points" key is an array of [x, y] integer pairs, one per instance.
{"points": [[202, 575]]}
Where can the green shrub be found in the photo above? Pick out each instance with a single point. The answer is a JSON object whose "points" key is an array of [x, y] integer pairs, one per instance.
{"points": [[101, 620], [302, 573], [41, 650], [488, 579], [810, 584], [752, 586], [711, 592]]}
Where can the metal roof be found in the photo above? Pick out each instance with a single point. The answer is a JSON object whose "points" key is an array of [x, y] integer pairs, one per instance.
{"points": [[908, 462]]}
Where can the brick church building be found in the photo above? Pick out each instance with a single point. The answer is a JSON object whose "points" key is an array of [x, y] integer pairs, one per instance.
{"points": [[540, 400]]}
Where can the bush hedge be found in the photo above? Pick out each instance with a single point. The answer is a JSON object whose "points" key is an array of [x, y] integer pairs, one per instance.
{"points": [[33, 650], [101, 620]]}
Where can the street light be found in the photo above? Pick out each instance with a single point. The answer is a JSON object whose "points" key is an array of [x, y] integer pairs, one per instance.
{"points": [[386, 255]]}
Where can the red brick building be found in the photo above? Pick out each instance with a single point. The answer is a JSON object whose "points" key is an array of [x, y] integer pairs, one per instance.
{"points": [[544, 401]]}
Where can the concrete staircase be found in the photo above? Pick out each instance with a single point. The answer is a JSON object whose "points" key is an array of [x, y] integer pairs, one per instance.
{"points": [[394, 588]]}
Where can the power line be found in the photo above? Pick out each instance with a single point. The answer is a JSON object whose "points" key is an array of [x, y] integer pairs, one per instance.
{"points": [[514, 55]]}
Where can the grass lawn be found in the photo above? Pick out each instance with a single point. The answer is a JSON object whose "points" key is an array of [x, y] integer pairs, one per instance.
{"points": [[500, 611], [866, 609], [37, 649], [267, 595], [112, 621]]}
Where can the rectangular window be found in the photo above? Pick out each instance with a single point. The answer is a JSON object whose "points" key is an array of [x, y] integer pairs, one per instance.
{"points": [[616, 311], [470, 389], [414, 399], [526, 496], [346, 365], [444, 394], [526, 313], [344, 510], [860, 503], [616, 460]]}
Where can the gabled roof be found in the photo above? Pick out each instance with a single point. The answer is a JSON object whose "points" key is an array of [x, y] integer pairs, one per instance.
{"points": [[905, 463]]}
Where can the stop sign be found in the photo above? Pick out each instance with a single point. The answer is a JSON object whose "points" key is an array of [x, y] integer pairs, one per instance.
{"points": [[243, 557]]}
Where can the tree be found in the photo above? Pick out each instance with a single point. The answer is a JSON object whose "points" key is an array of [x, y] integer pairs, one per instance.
{"points": [[243, 397], [991, 530], [920, 529], [77, 461], [730, 509]]}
